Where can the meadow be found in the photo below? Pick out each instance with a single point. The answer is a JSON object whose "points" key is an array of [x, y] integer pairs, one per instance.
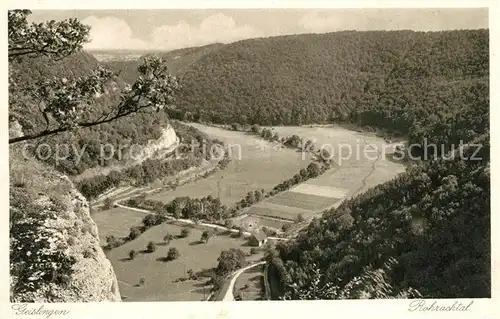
{"points": [[256, 164], [116, 222], [355, 174], [160, 275]]}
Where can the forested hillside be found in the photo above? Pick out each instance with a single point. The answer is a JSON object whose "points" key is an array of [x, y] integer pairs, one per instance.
{"points": [[405, 82], [323, 77], [29, 75], [425, 233], [178, 61]]}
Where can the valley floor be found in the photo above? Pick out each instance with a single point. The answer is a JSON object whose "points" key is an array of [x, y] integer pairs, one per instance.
{"points": [[261, 165]]}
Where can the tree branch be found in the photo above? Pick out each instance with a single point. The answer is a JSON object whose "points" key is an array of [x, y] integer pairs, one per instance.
{"points": [[64, 129]]}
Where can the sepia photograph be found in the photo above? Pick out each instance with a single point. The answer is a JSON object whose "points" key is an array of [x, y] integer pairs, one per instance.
{"points": [[259, 154]]}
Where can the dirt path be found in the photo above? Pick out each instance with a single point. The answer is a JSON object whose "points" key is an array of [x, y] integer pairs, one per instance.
{"points": [[363, 181]]}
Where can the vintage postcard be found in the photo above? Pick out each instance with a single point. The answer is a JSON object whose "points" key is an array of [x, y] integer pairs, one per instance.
{"points": [[224, 160]]}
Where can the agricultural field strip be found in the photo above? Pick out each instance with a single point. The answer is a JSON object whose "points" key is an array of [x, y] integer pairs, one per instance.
{"points": [[306, 201], [276, 213], [319, 190], [285, 211], [129, 193]]}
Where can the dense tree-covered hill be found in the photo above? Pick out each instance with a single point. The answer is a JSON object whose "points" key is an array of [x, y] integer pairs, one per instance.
{"points": [[178, 61], [323, 77], [420, 84], [427, 232], [402, 81], [29, 74]]}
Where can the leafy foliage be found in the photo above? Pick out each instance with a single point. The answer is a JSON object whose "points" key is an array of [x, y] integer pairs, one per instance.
{"points": [[58, 39], [173, 253], [229, 261], [35, 257], [54, 88], [205, 236], [185, 232]]}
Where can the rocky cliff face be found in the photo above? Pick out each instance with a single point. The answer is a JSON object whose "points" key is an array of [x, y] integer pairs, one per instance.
{"points": [[166, 142], [154, 148], [55, 253]]}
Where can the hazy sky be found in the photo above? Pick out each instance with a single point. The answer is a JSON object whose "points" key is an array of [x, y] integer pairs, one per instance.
{"points": [[173, 29]]}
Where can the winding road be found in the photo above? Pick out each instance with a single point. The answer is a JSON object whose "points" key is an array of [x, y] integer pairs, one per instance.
{"points": [[228, 295]]}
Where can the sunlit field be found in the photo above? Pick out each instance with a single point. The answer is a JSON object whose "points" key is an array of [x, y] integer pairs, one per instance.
{"points": [[261, 166], [159, 274], [355, 174], [116, 221]]}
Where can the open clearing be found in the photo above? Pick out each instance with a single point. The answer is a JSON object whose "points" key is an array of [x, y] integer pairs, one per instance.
{"points": [[306, 201], [116, 221], [366, 167], [252, 222], [159, 275], [363, 148], [260, 166]]}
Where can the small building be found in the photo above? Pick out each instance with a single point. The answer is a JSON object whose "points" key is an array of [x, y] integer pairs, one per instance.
{"points": [[258, 238]]}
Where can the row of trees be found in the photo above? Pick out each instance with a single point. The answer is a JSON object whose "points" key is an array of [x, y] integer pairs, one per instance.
{"points": [[173, 253], [53, 90], [148, 222], [210, 209], [314, 169], [205, 208]]}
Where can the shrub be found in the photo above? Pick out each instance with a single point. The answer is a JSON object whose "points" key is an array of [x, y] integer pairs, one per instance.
{"points": [[112, 242], [168, 238], [206, 236], [134, 233], [192, 275], [255, 128], [300, 218], [173, 253], [132, 254], [185, 232], [151, 247], [108, 203], [142, 281], [228, 223]]}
